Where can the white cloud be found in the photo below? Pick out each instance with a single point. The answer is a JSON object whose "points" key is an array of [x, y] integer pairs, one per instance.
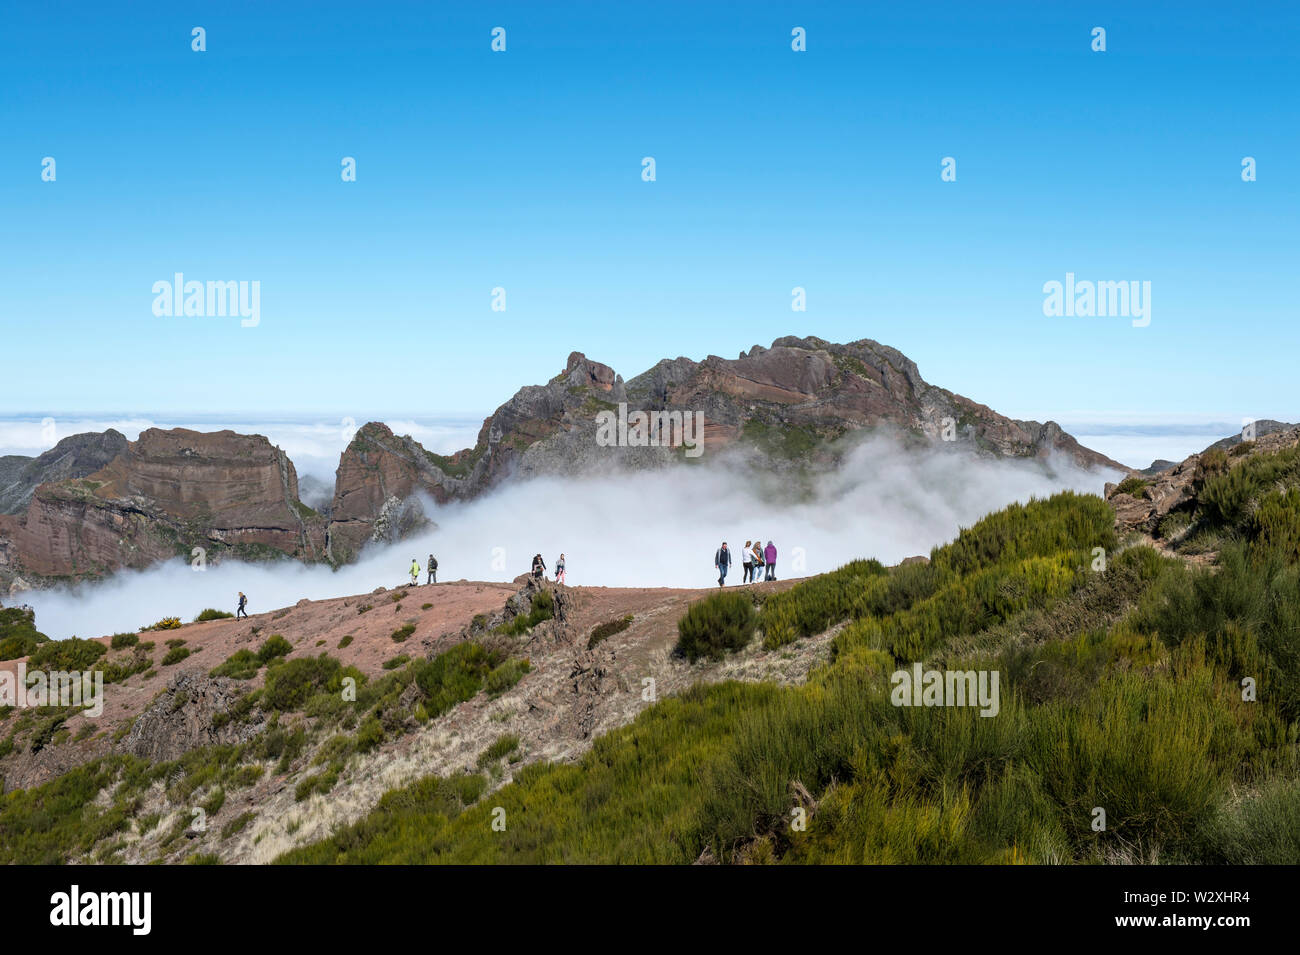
{"points": [[649, 529]]}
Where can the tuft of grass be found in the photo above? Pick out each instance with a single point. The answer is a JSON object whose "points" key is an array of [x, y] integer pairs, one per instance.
{"points": [[237, 824], [212, 614], [606, 630], [1132, 485], [501, 747], [175, 655]]}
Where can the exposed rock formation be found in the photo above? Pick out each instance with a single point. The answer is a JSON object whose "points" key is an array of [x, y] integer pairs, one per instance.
{"points": [[181, 718], [76, 456], [167, 493], [1142, 509]]}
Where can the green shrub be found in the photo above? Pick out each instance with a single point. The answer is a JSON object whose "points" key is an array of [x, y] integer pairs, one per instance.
{"points": [[120, 641], [503, 677], [292, 683], [18, 634], [212, 614], [811, 606], [175, 655], [1132, 485], [240, 665], [345, 641], [399, 635], [70, 654], [397, 661], [275, 646], [459, 673], [718, 623]]}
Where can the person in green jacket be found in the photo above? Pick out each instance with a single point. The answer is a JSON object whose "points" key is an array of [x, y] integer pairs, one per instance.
{"points": [[415, 572]]}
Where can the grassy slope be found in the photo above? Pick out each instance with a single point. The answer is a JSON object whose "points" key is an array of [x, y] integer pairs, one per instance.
{"points": [[1141, 715], [1121, 690]]}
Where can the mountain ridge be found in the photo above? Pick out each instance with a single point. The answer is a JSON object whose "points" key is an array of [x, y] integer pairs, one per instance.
{"points": [[795, 407]]}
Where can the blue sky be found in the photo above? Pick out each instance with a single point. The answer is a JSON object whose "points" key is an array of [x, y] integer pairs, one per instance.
{"points": [[522, 170]]}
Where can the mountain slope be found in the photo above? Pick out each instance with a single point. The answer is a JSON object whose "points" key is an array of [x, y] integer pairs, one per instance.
{"points": [[799, 404]]}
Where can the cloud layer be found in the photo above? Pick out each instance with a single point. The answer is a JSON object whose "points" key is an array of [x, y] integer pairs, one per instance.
{"points": [[648, 529]]}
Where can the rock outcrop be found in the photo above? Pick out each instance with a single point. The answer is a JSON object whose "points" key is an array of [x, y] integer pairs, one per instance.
{"points": [[76, 456], [1140, 505], [800, 403], [164, 495], [181, 718]]}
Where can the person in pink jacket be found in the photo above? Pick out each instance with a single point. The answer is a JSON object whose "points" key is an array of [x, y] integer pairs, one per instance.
{"points": [[769, 556]]}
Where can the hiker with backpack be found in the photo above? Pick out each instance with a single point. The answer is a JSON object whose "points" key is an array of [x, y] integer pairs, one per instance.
{"points": [[769, 556], [559, 570], [415, 572], [722, 560], [433, 570], [539, 567], [757, 556], [243, 602], [747, 562]]}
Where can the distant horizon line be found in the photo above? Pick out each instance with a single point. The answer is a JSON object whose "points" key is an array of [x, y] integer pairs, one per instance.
{"points": [[1117, 421]]}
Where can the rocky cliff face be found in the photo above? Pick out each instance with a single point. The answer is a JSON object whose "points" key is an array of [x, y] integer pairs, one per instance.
{"points": [[377, 487], [76, 456], [800, 403], [165, 494]]}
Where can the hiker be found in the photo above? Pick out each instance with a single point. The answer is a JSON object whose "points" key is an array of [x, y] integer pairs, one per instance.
{"points": [[433, 569], [415, 572], [539, 567], [758, 560], [722, 560], [559, 570], [243, 602], [769, 556], [747, 562]]}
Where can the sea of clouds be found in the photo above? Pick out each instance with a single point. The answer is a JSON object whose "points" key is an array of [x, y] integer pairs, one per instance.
{"points": [[646, 529]]}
